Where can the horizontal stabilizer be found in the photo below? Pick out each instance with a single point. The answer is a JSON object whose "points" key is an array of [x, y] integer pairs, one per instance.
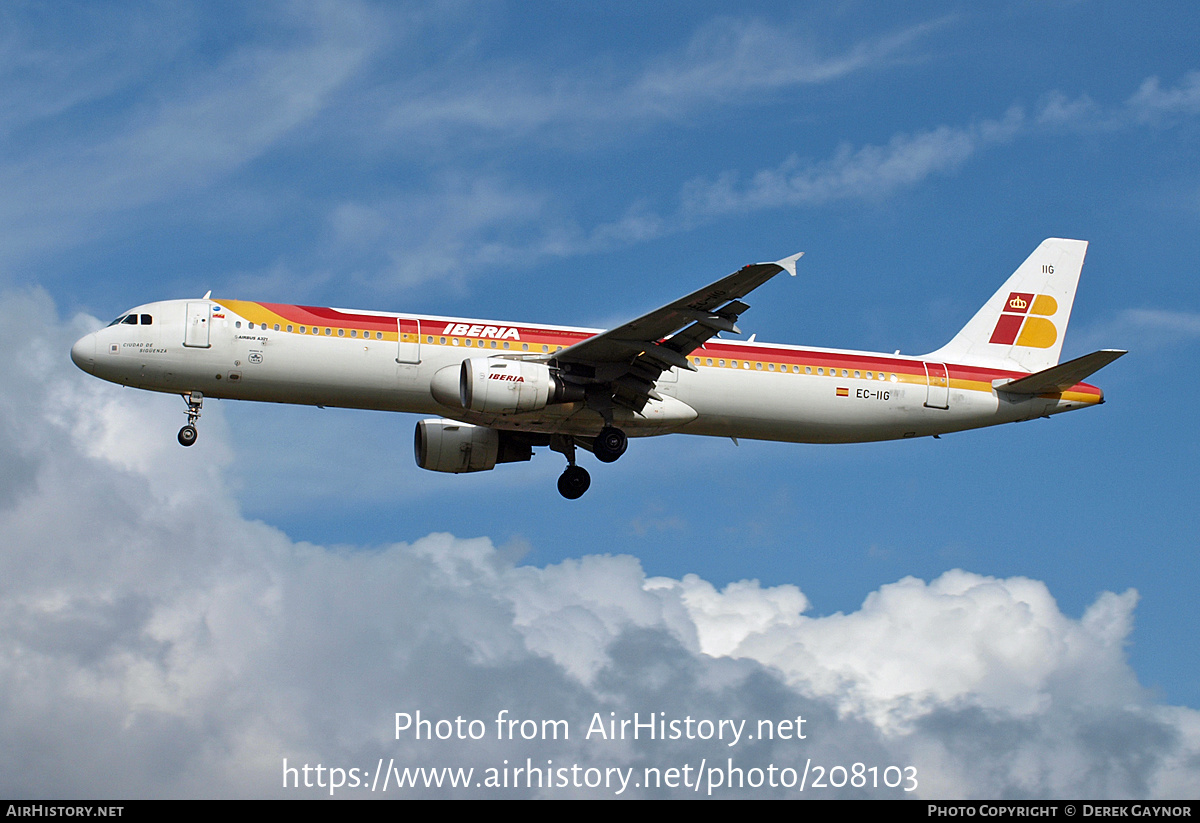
{"points": [[1061, 377]]}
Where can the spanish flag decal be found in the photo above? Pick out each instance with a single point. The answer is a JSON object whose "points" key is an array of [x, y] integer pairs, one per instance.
{"points": [[843, 392]]}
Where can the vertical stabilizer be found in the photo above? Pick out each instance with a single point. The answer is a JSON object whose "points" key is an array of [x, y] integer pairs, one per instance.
{"points": [[1022, 326]]}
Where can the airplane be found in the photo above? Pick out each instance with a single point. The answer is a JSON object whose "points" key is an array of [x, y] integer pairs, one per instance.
{"points": [[501, 389]]}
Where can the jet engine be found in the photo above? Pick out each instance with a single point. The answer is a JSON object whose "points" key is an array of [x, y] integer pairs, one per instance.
{"points": [[495, 385], [449, 446]]}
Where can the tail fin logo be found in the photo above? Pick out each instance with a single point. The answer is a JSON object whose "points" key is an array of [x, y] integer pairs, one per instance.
{"points": [[1035, 330]]}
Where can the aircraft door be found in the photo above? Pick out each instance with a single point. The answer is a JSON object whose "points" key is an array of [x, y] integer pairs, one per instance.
{"points": [[196, 329], [409, 340], [939, 386]]}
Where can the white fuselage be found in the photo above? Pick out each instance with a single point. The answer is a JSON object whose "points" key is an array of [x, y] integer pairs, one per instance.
{"points": [[371, 360]]}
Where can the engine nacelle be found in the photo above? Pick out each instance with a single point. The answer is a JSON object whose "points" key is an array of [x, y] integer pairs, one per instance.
{"points": [[494, 385], [449, 446]]}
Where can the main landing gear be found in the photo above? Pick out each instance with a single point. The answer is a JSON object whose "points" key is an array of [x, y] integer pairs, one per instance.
{"points": [[608, 445], [573, 482], [188, 434]]}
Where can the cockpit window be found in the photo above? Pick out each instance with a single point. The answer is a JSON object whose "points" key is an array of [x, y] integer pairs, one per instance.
{"points": [[132, 320]]}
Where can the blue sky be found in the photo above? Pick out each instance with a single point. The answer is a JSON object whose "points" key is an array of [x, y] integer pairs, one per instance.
{"points": [[581, 164]]}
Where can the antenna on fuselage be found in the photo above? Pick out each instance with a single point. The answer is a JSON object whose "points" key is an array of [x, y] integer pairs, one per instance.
{"points": [[207, 295]]}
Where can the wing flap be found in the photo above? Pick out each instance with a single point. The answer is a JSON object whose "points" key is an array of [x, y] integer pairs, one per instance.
{"points": [[621, 365], [713, 308]]}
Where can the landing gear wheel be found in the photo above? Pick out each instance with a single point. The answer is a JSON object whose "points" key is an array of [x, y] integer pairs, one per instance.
{"points": [[609, 444], [195, 402], [574, 482]]}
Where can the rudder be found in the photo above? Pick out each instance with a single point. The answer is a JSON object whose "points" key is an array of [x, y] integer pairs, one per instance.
{"points": [[1023, 324]]}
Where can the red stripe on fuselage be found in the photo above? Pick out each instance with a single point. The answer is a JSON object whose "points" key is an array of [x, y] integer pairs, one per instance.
{"points": [[715, 349]]}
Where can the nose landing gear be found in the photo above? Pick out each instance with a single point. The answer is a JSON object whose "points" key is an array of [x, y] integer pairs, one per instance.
{"points": [[188, 434]]}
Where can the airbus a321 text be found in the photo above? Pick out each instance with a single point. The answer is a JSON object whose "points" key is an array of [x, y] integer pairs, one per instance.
{"points": [[500, 389]]}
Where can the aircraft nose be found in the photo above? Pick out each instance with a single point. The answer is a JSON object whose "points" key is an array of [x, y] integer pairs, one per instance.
{"points": [[83, 353]]}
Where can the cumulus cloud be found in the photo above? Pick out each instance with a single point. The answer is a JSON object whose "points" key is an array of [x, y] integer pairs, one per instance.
{"points": [[154, 642]]}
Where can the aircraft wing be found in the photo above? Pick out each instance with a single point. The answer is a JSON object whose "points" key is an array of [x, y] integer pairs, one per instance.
{"points": [[628, 359]]}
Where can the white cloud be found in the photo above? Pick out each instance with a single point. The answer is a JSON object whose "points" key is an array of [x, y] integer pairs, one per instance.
{"points": [[1146, 329], [155, 642], [185, 132], [1151, 102], [734, 59], [727, 61], [866, 173]]}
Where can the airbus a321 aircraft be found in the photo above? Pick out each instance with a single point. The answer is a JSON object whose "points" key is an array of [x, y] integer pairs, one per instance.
{"points": [[500, 389]]}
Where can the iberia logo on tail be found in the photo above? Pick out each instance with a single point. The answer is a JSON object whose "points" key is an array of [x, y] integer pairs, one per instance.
{"points": [[1025, 321]]}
